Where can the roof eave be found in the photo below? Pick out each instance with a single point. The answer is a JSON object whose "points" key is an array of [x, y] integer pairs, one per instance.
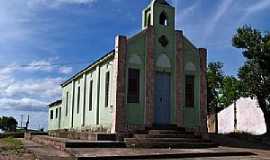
{"points": [[100, 60], [55, 103]]}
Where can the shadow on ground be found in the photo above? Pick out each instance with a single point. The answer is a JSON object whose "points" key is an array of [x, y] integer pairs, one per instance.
{"points": [[240, 140]]}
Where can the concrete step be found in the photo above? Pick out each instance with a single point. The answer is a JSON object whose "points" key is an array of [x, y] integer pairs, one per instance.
{"points": [[105, 137], [182, 135], [156, 154], [172, 140], [166, 127], [57, 143], [83, 135], [63, 143], [45, 152], [183, 145], [154, 132], [97, 144]]}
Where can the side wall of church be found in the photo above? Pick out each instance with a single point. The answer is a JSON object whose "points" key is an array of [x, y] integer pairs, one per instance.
{"points": [[105, 112], [66, 103], [53, 120], [77, 112]]}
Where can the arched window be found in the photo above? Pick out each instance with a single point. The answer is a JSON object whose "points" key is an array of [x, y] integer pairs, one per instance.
{"points": [[190, 90], [163, 20], [163, 61]]}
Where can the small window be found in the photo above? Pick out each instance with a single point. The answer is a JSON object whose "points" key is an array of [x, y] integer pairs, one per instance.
{"points": [[133, 86], [51, 114], [60, 112], [149, 20], [107, 86], [163, 20], [189, 91], [56, 113], [67, 99], [91, 95], [78, 99]]}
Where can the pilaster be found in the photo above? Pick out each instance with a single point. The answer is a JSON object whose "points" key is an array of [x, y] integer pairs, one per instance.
{"points": [[98, 94], [84, 100], [72, 105], [203, 92], [118, 99], [149, 78], [179, 79]]}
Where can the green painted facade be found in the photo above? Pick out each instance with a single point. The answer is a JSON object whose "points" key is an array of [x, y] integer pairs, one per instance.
{"points": [[192, 115], [99, 116]]}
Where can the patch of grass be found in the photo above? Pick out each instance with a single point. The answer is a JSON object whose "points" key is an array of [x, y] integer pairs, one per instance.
{"points": [[12, 145], [12, 134], [13, 142]]}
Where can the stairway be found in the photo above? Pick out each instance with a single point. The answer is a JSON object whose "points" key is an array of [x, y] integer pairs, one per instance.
{"points": [[64, 144], [167, 138]]}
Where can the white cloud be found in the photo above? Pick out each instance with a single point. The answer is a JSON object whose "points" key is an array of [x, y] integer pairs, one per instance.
{"points": [[41, 65], [220, 12], [31, 93], [48, 87], [185, 13], [261, 5], [57, 3], [34, 66], [254, 8], [65, 70], [13, 16], [75, 1], [19, 22], [6, 71], [23, 104]]}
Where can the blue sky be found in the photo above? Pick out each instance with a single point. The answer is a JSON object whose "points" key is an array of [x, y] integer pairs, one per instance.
{"points": [[41, 33]]}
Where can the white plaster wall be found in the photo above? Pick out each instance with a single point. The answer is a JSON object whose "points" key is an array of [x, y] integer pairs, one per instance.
{"points": [[250, 118], [226, 120]]}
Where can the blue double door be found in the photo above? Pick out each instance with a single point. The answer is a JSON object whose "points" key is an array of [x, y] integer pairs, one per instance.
{"points": [[162, 98]]}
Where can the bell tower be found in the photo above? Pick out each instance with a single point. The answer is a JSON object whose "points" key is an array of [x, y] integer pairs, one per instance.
{"points": [[159, 13]]}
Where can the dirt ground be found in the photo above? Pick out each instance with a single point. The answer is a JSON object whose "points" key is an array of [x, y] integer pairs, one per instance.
{"points": [[15, 149], [12, 149]]}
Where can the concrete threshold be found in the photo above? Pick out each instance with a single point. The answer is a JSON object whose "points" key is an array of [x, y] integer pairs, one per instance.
{"points": [[124, 154], [97, 144], [170, 156]]}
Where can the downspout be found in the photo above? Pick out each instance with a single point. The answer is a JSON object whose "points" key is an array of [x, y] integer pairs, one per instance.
{"points": [[84, 100], [59, 117], [72, 109], [98, 94]]}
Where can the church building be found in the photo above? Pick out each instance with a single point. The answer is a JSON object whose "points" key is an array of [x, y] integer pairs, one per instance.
{"points": [[155, 78]]}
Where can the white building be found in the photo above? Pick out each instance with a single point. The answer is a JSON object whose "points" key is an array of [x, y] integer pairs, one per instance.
{"points": [[250, 118]]}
